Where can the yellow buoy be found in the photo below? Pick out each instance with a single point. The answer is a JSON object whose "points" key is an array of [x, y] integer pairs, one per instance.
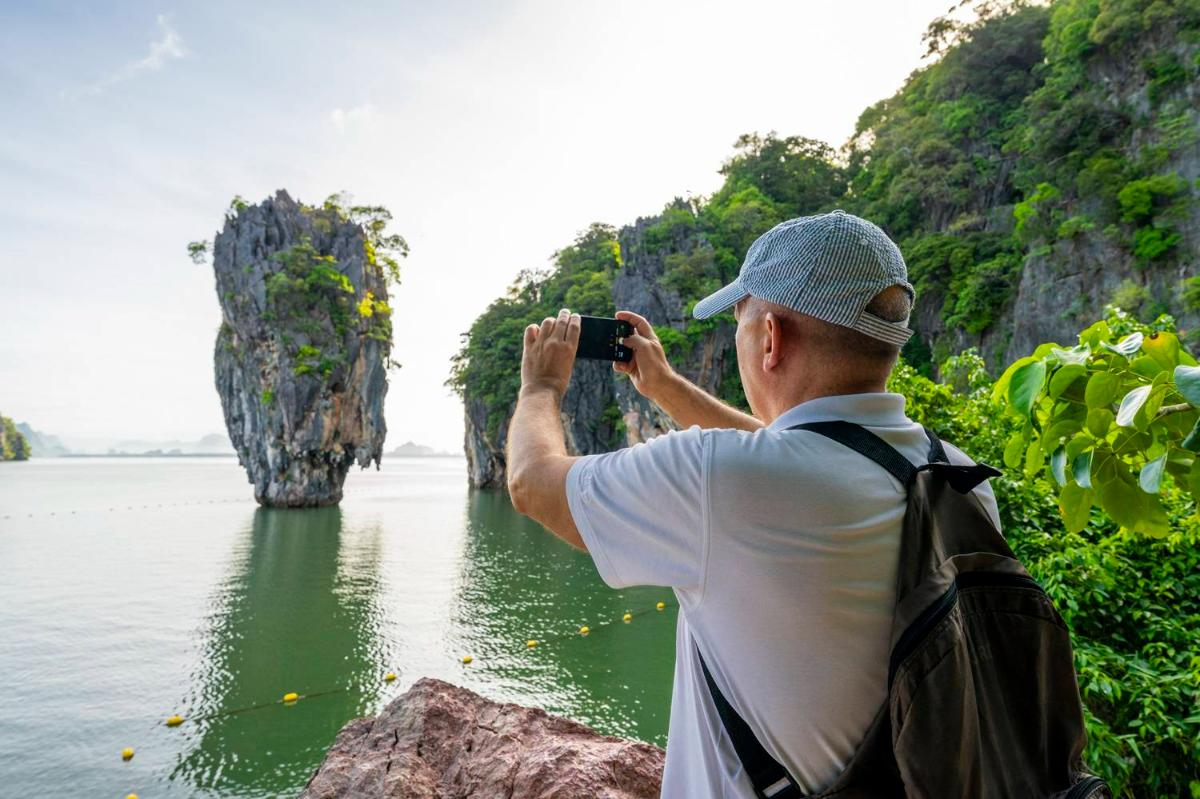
{"points": [[627, 617], [127, 753], [291, 696], [390, 676], [661, 605], [532, 642], [467, 658], [174, 721], [584, 630], [131, 796]]}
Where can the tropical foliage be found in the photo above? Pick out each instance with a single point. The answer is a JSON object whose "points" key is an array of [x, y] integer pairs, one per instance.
{"points": [[1127, 583]]}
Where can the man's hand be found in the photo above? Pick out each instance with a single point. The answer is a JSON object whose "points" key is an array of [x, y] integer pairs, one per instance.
{"points": [[550, 352], [682, 400], [649, 369]]}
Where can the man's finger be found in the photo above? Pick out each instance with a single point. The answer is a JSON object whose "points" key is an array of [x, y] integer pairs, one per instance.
{"points": [[531, 334], [564, 318], [547, 326], [638, 321], [573, 326], [624, 367], [637, 342]]}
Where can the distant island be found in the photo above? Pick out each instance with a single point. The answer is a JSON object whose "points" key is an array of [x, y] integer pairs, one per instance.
{"points": [[41, 445], [411, 449]]}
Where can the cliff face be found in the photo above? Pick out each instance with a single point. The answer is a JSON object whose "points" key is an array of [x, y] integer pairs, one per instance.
{"points": [[587, 425], [601, 409], [1065, 281], [439, 741], [1044, 168], [301, 355]]}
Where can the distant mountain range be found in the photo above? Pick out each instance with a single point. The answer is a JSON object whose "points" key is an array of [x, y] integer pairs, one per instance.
{"points": [[44, 445]]}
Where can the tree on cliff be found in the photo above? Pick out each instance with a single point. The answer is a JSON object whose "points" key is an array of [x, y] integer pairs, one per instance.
{"points": [[305, 340], [13, 445]]}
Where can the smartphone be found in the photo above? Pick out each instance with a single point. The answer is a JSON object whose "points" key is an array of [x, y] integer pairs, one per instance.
{"points": [[600, 337]]}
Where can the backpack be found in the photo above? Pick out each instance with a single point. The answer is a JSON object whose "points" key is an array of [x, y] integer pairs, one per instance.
{"points": [[982, 698]]}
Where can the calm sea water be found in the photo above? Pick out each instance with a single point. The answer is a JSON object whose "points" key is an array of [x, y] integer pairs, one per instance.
{"points": [[134, 589]]}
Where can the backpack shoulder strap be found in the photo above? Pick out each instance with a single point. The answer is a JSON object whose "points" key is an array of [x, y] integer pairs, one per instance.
{"points": [[769, 778], [869, 445]]}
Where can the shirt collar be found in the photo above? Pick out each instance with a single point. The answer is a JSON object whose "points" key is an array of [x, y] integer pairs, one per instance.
{"points": [[876, 409]]}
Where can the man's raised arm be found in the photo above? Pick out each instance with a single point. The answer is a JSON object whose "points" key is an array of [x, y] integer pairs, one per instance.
{"points": [[682, 400]]}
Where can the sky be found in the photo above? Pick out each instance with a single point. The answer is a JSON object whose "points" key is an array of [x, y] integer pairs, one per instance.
{"points": [[494, 131]]}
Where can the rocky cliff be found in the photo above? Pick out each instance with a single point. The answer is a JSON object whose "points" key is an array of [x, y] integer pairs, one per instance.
{"points": [[1045, 166], [302, 353], [438, 741]]}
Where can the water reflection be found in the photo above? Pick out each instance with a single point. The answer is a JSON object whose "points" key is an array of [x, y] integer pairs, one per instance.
{"points": [[520, 582], [298, 612]]}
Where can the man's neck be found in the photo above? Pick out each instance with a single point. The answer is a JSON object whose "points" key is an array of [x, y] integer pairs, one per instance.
{"points": [[804, 392]]}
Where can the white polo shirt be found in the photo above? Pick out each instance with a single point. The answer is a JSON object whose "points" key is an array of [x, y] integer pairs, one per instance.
{"points": [[781, 546]]}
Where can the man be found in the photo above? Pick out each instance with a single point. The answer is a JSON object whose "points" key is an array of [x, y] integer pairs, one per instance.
{"points": [[781, 545]]}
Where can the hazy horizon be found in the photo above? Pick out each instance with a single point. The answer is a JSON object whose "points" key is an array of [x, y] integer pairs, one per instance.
{"points": [[494, 133]]}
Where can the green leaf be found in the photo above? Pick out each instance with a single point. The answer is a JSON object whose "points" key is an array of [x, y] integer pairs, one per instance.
{"points": [[1101, 390], [1187, 383], [1150, 478], [1130, 405], [1058, 466], [1162, 347], [1000, 390], [1075, 502], [1014, 451], [1120, 500], [1096, 334], [1026, 386], [1192, 442], [1146, 366], [1149, 410], [1126, 346], [1081, 469], [1034, 458], [1099, 421], [1063, 377], [1076, 355], [1078, 445]]}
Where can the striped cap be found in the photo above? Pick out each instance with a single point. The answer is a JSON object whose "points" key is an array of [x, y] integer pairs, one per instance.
{"points": [[828, 266]]}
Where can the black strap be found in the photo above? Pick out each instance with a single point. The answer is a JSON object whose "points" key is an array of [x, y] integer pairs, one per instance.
{"points": [[866, 443], [770, 779]]}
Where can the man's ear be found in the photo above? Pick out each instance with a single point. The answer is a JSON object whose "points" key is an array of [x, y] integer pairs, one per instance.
{"points": [[773, 341]]}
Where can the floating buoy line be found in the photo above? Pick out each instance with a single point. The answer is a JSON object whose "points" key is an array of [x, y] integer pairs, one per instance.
{"points": [[291, 698], [180, 504]]}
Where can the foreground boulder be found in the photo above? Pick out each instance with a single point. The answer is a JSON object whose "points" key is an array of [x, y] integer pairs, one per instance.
{"points": [[439, 740], [303, 349]]}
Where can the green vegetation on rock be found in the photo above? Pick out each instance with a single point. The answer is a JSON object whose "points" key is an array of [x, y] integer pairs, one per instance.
{"points": [[13, 445]]}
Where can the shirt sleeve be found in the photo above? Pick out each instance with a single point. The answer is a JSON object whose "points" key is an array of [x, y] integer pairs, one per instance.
{"points": [[642, 510]]}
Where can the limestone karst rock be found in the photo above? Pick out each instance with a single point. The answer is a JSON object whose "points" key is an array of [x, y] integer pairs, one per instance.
{"points": [[303, 349], [439, 741]]}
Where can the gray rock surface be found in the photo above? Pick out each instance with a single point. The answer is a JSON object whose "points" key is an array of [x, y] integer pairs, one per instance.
{"points": [[439, 740], [301, 373]]}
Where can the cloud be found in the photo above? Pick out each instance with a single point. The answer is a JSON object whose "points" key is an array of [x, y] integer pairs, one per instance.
{"points": [[358, 116], [168, 47]]}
